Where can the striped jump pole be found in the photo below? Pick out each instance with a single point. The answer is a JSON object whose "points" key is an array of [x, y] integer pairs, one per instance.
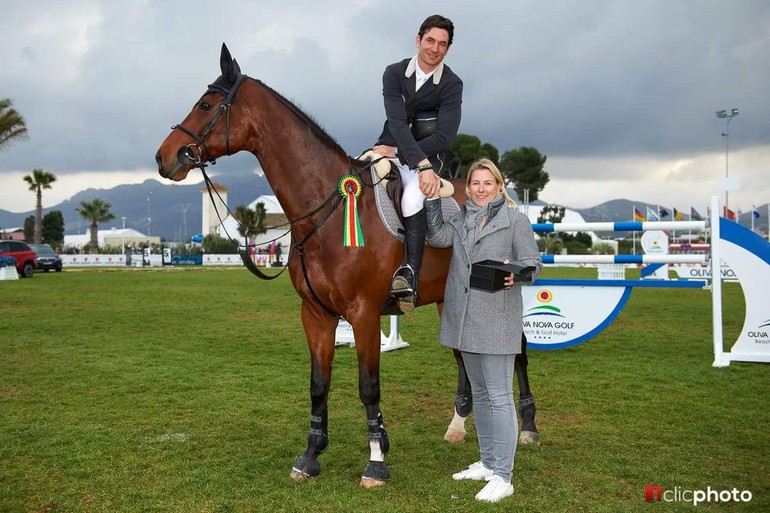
{"points": [[630, 226], [625, 259]]}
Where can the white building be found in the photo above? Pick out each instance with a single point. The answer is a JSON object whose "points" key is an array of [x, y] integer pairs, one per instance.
{"points": [[211, 213], [275, 217]]}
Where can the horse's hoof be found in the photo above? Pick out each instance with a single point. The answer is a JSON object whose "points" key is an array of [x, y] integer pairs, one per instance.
{"points": [[376, 473], [371, 483], [455, 436], [529, 438], [298, 475], [305, 468]]}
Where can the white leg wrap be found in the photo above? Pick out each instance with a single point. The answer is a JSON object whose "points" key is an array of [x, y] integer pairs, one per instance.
{"points": [[375, 452], [457, 423]]}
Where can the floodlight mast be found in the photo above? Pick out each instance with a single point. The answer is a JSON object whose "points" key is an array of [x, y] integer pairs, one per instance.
{"points": [[727, 116]]}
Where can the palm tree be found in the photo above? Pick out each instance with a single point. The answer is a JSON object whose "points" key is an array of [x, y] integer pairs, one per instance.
{"points": [[251, 222], [11, 123], [38, 181], [97, 211]]}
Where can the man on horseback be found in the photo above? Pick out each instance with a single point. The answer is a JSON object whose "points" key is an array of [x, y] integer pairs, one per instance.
{"points": [[422, 103]]}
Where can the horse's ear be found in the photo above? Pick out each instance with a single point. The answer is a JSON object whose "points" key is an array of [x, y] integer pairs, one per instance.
{"points": [[226, 65], [236, 67]]}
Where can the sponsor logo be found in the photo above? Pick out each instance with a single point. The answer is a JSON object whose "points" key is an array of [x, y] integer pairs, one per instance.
{"points": [[544, 297], [545, 329], [761, 334]]}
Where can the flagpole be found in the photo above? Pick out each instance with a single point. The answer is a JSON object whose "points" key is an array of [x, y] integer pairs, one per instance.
{"points": [[673, 232]]}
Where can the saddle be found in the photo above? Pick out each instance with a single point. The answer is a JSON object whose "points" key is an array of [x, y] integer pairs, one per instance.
{"points": [[388, 194]]}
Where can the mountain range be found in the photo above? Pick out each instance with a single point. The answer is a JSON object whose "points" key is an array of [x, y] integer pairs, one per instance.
{"points": [[174, 211]]}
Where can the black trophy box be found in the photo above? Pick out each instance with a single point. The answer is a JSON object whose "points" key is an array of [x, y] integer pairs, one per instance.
{"points": [[490, 275]]}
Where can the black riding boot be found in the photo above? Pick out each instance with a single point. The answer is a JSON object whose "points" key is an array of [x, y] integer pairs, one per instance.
{"points": [[405, 280]]}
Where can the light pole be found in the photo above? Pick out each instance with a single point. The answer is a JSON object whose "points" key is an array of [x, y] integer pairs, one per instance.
{"points": [[123, 235], [184, 206], [149, 213], [728, 116]]}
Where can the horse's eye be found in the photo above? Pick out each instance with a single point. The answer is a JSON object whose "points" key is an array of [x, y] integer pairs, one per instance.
{"points": [[205, 105]]}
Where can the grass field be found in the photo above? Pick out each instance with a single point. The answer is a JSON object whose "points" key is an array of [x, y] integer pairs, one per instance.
{"points": [[187, 391]]}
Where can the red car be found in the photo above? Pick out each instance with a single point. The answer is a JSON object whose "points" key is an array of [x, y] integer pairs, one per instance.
{"points": [[26, 259]]}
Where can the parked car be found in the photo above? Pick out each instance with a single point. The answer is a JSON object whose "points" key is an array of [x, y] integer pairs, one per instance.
{"points": [[26, 259], [47, 258]]}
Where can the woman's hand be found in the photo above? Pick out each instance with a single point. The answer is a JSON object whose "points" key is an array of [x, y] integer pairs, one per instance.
{"points": [[508, 279]]}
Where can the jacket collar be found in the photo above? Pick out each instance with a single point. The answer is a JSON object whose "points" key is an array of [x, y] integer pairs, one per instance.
{"points": [[410, 69]]}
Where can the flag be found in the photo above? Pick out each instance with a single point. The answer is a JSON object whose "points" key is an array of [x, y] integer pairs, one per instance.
{"points": [[638, 216], [729, 214], [678, 216], [695, 215], [652, 215], [663, 213], [755, 212]]}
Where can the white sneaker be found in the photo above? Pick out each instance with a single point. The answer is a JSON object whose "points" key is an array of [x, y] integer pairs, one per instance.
{"points": [[495, 490], [477, 472]]}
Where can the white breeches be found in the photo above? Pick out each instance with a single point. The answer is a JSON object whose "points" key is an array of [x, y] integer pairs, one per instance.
{"points": [[413, 199]]}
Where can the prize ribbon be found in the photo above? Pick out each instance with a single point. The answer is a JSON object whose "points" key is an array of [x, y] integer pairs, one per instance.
{"points": [[350, 189]]}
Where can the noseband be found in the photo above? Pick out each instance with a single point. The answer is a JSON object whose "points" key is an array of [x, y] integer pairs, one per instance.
{"points": [[197, 153]]}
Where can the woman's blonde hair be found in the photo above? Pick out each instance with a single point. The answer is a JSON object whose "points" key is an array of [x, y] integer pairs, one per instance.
{"points": [[492, 168]]}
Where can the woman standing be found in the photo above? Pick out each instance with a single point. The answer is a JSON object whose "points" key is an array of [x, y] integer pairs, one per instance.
{"points": [[486, 326]]}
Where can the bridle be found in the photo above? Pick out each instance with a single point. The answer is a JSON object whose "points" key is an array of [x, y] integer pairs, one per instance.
{"points": [[197, 153]]}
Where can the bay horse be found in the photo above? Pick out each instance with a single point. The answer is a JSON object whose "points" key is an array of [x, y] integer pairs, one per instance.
{"points": [[304, 166]]}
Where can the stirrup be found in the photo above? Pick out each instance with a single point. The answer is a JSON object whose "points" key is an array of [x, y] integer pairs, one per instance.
{"points": [[402, 284]]}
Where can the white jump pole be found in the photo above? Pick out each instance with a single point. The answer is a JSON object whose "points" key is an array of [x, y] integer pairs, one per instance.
{"points": [[716, 286]]}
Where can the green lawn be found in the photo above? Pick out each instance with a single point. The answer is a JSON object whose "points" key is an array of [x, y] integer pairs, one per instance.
{"points": [[187, 391]]}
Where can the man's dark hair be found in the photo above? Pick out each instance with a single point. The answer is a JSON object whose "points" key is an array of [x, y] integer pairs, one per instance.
{"points": [[440, 22]]}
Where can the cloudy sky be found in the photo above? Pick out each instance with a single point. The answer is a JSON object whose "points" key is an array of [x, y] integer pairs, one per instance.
{"points": [[619, 94]]}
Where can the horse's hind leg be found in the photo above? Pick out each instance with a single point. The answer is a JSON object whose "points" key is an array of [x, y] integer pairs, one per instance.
{"points": [[463, 403], [367, 333], [320, 329], [529, 434]]}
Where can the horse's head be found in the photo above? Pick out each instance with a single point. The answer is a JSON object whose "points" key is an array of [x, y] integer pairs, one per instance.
{"points": [[205, 134]]}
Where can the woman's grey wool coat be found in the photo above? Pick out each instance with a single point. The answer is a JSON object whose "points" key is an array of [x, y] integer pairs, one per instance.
{"points": [[473, 320]]}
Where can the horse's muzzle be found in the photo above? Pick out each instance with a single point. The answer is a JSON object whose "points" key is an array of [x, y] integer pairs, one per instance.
{"points": [[167, 173]]}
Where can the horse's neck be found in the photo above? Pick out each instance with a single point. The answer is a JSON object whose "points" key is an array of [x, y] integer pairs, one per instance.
{"points": [[300, 165]]}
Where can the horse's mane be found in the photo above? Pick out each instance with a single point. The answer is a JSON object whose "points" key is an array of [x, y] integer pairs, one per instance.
{"points": [[307, 119]]}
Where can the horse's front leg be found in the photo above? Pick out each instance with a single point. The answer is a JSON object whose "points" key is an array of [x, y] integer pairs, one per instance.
{"points": [[366, 328], [319, 329], [463, 403], [527, 410]]}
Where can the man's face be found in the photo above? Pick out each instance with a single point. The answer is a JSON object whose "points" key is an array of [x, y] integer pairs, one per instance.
{"points": [[433, 46]]}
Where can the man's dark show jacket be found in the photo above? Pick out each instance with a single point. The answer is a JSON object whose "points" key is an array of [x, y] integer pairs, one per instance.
{"points": [[438, 101]]}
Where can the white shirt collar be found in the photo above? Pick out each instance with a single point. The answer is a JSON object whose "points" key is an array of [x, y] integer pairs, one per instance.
{"points": [[412, 67]]}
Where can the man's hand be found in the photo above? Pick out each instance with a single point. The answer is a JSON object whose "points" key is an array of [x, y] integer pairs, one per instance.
{"points": [[386, 151], [429, 183]]}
